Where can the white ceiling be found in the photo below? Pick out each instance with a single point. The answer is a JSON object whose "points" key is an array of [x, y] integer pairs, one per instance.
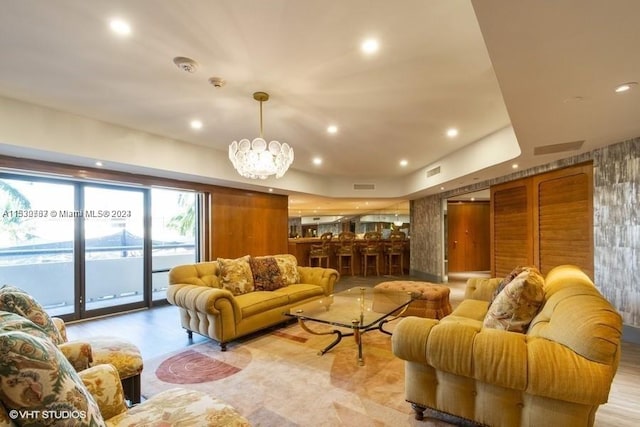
{"points": [[546, 68]]}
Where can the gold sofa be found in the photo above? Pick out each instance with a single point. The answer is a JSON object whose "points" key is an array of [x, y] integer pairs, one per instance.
{"points": [[226, 306], [557, 373]]}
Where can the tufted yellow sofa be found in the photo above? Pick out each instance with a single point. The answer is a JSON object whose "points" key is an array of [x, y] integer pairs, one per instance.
{"points": [[210, 310], [558, 373]]}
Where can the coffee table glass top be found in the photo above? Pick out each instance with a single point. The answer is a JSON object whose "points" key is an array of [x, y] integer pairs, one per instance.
{"points": [[359, 307]]}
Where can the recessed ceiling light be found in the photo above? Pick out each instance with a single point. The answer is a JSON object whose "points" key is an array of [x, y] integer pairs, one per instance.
{"points": [[271, 190], [332, 129], [404, 162], [452, 132], [370, 46], [625, 86], [120, 27], [514, 166], [98, 164], [196, 124], [441, 188], [317, 161]]}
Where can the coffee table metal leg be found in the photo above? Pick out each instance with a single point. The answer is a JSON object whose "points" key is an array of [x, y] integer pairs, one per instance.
{"points": [[389, 319], [338, 334], [358, 336]]}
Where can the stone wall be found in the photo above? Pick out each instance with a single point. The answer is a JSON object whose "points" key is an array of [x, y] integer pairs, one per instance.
{"points": [[427, 251], [616, 224]]}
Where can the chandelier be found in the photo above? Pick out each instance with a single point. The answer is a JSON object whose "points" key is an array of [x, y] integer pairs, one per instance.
{"points": [[256, 159]]}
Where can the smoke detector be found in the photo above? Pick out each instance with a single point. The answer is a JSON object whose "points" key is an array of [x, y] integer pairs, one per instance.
{"points": [[186, 64], [217, 81]]}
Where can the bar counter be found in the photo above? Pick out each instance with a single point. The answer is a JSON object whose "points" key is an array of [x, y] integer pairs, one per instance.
{"points": [[300, 247]]}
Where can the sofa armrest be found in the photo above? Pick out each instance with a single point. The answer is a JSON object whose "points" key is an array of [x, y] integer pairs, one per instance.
{"points": [[204, 299], [410, 337], [481, 288], [325, 277], [78, 353], [60, 326], [103, 383], [553, 367]]}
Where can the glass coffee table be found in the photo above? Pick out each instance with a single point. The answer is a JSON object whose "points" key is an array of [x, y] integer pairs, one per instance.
{"points": [[360, 309]]}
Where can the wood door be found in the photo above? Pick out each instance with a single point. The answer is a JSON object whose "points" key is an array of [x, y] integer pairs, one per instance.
{"points": [[468, 243]]}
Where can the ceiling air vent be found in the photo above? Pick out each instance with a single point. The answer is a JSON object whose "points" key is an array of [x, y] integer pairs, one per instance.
{"points": [[434, 171], [364, 186], [558, 148]]}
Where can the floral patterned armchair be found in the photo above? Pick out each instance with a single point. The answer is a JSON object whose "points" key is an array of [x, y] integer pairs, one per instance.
{"points": [[17, 306], [38, 386]]}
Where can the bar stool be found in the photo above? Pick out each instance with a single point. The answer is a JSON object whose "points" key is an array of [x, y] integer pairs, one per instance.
{"points": [[346, 249], [395, 251], [321, 251], [371, 249]]}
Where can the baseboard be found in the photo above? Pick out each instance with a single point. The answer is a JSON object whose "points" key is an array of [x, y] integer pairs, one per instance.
{"points": [[631, 334], [425, 276]]}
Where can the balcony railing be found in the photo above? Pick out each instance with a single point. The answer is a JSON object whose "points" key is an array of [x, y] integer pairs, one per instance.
{"points": [[48, 273]]}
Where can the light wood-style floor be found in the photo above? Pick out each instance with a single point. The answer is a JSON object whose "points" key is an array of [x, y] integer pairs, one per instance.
{"points": [[157, 332]]}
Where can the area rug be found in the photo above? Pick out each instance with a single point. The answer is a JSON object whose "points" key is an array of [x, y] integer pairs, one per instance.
{"points": [[277, 378]]}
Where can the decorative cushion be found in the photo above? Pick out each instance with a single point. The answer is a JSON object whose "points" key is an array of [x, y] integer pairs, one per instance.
{"points": [[15, 322], [507, 279], [123, 355], [235, 275], [517, 304], [288, 265], [17, 301], [37, 380], [266, 274], [181, 407]]}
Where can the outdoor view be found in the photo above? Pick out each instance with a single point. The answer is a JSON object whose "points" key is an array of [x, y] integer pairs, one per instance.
{"points": [[48, 228]]}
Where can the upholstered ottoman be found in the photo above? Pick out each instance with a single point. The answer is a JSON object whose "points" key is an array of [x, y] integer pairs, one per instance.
{"points": [[429, 299], [125, 357]]}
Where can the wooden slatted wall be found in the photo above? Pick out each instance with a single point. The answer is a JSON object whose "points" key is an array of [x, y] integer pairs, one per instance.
{"points": [[511, 227], [565, 219], [545, 220]]}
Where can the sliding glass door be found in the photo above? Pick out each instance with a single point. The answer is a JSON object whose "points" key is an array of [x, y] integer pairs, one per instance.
{"points": [[174, 230], [114, 246], [37, 241], [84, 249]]}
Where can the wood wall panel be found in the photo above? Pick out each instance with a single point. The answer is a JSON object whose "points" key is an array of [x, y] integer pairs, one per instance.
{"points": [[565, 219], [511, 227], [545, 220], [248, 223]]}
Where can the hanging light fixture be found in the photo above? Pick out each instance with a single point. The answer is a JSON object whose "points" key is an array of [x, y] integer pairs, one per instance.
{"points": [[256, 159]]}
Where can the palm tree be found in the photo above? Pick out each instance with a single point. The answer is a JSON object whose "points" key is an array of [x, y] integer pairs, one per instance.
{"points": [[12, 200], [185, 221]]}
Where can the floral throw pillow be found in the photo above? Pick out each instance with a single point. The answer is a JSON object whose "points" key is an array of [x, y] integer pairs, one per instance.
{"points": [[266, 274], [517, 304], [14, 322], [235, 275], [288, 265], [15, 300], [508, 278], [38, 382]]}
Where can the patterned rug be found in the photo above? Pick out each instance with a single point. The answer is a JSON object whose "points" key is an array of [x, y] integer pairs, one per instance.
{"points": [[277, 379]]}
